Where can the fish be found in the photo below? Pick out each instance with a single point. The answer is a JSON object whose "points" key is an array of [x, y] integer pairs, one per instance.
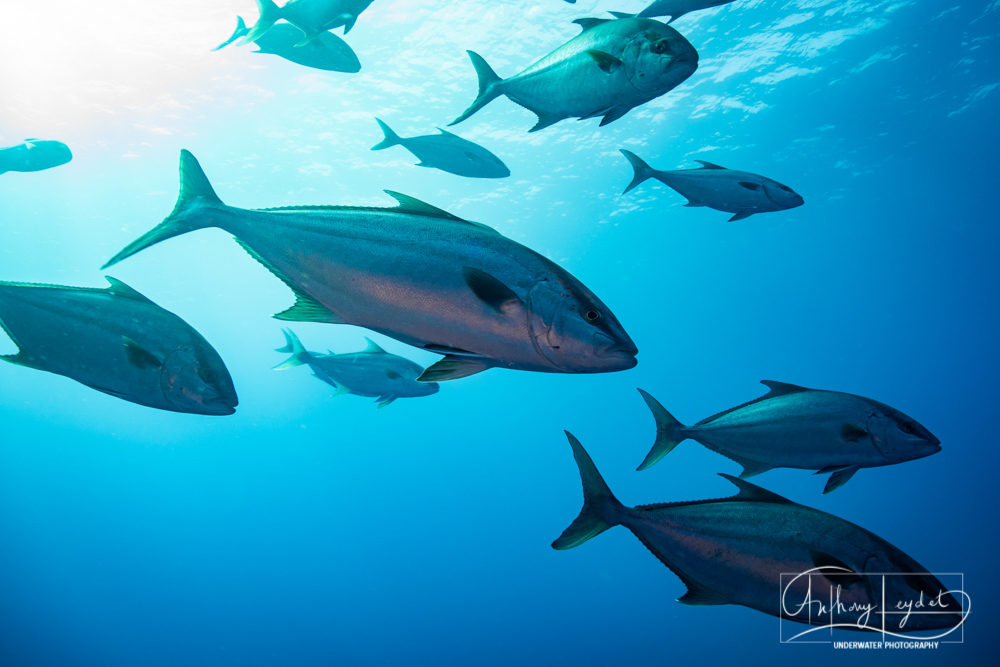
{"points": [[418, 274], [312, 17], [447, 152], [325, 52], [796, 427], [372, 372], [735, 550], [34, 155], [612, 66], [738, 192], [678, 8], [117, 341]]}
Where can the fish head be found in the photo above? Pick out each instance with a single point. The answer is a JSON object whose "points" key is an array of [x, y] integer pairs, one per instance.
{"points": [[904, 584], [197, 383], [489, 163], [781, 195], [658, 58], [55, 152], [574, 331], [899, 437]]}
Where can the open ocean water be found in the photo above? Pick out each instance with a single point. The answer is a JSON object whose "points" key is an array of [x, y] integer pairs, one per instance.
{"points": [[311, 530]]}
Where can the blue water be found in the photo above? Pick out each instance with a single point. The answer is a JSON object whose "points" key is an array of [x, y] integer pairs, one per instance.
{"points": [[306, 530]]}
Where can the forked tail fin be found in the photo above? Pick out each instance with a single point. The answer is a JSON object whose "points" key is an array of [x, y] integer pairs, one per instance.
{"points": [[241, 29], [269, 13], [294, 347], [196, 193], [391, 138], [669, 432], [599, 504], [489, 86], [642, 170]]}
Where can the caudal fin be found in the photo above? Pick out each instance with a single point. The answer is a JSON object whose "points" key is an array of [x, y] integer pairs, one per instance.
{"points": [[391, 138], [196, 193], [669, 432], [489, 86], [269, 13], [642, 170], [599, 504], [241, 30], [294, 347]]}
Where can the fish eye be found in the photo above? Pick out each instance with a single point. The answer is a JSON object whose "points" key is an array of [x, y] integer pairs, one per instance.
{"points": [[659, 47], [593, 315], [209, 376], [784, 187], [907, 428]]}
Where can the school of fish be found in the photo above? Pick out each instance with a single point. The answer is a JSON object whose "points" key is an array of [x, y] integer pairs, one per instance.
{"points": [[422, 276]]}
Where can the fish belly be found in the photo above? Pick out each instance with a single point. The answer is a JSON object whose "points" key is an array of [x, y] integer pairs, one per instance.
{"points": [[574, 88]]}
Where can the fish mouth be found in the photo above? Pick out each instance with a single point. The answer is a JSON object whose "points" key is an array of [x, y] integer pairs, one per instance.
{"points": [[624, 350]]}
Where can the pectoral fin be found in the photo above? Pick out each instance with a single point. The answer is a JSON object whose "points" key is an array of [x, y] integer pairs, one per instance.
{"points": [[490, 290], [837, 571], [452, 368], [384, 401], [392, 375], [852, 432], [750, 186], [139, 356], [838, 479], [605, 61]]}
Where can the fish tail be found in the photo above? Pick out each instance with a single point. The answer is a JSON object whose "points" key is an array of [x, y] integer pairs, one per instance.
{"points": [[669, 432], [269, 13], [599, 504], [489, 86], [391, 138], [241, 29], [196, 193], [642, 170], [294, 347]]}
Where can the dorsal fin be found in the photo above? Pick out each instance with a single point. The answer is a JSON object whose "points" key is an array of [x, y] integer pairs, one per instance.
{"points": [[708, 165], [748, 493], [408, 204], [776, 389], [118, 288], [754, 494], [587, 24], [447, 133], [373, 348]]}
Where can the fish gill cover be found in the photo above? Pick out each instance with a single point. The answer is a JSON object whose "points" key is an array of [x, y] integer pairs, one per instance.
{"points": [[310, 527]]}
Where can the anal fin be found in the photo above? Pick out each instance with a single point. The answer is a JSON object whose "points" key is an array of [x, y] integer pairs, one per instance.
{"points": [[306, 308], [21, 359], [544, 120], [613, 115]]}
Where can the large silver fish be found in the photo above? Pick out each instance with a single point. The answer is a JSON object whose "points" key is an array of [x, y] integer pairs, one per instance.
{"points": [[417, 274], [735, 550], [116, 341], [373, 372], [312, 17], [795, 427], [447, 152], [739, 192], [34, 155], [606, 70], [326, 52]]}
